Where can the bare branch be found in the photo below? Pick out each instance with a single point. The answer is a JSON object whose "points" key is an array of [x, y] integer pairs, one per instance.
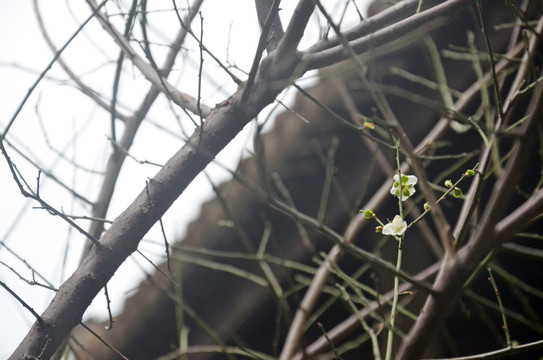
{"points": [[359, 222], [397, 12], [118, 70], [352, 323], [271, 19], [429, 19], [122, 238], [286, 51], [183, 100], [275, 33], [87, 90], [35, 195], [47, 68], [22, 302], [513, 350], [203, 47], [520, 218], [457, 270], [269, 76], [116, 159]]}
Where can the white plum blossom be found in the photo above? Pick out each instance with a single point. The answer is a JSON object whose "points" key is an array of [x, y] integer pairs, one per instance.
{"points": [[396, 228], [406, 188]]}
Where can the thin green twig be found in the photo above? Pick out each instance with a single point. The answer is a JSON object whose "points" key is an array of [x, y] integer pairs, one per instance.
{"points": [[500, 303]]}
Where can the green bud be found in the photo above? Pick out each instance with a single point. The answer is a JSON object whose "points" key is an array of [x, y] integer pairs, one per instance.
{"points": [[457, 192], [427, 206], [368, 213], [448, 183], [469, 173], [378, 229], [368, 124]]}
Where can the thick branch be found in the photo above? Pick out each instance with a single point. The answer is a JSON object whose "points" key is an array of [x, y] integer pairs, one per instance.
{"points": [[124, 235], [75, 295], [296, 28], [286, 52], [357, 224], [428, 20], [275, 32], [116, 159], [397, 12], [271, 18]]}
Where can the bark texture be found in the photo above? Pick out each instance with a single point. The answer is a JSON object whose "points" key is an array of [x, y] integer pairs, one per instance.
{"points": [[235, 308]]}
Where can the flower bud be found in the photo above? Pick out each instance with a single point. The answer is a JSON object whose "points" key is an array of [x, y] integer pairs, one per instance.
{"points": [[457, 192]]}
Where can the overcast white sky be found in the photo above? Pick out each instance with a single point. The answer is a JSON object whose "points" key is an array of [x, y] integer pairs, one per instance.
{"points": [[56, 111]]}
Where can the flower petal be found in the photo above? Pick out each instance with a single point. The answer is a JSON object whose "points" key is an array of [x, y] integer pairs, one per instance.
{"points": [[397, 227], [411, 180], [404, 188], [388, 229]]}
